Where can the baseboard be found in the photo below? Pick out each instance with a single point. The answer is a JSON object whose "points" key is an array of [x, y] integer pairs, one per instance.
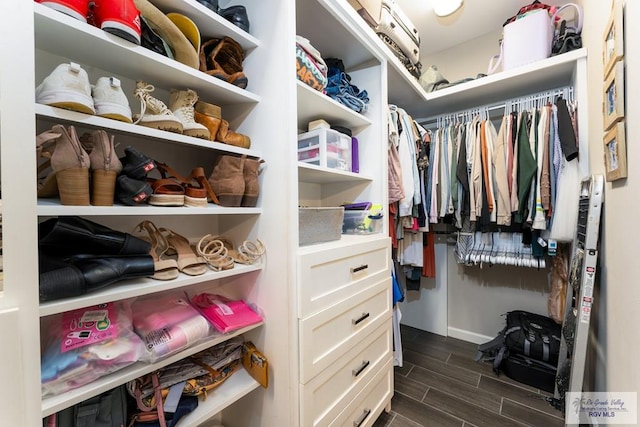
{"points": [[468, 336]]}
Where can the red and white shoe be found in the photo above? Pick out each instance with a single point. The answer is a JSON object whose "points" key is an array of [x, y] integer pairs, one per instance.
{"points": [[118, 17], [75, 8]]}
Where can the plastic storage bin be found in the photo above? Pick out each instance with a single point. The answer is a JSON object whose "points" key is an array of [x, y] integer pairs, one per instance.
{"points": [[367, 221], [326, 148]]}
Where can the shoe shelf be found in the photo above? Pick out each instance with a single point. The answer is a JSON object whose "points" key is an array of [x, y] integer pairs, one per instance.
{"points": [[239, 382], [52, 207], [87, 45], [313, 105], [138, 287], [59, 115], [320, 175], [209, 23]]}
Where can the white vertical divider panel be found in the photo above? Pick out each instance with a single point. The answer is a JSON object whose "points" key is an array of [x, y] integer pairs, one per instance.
{"points": [[20, 370], [271, 72], [12, 369]]}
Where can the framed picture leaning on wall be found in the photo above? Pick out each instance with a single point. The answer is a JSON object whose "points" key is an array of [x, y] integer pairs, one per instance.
{"points": [[615, 152], [613, 96], [613, 43]]}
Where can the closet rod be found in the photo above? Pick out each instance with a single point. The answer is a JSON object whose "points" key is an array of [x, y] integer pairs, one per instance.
{"points": [[565, 90]]}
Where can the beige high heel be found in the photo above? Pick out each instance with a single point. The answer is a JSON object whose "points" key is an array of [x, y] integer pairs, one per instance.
{"points": [[188, 262], [105, 167], [164, 269], [71, 163]]}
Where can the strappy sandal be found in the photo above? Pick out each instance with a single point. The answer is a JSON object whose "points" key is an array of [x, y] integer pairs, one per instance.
{"points": [[167, 190], [215, 253], [249, 252], [188, 262], [165, 269]]}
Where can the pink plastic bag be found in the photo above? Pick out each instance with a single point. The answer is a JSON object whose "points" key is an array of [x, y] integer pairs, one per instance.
{"points": [[83, 345], [224, 314], [168, 324]]}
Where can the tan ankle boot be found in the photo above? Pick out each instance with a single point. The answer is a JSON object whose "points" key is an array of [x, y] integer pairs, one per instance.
{"points": [[251, 171], [210, 116], [71, 162], [232, 138], [181, 103], [105, 167], [227, 180]]}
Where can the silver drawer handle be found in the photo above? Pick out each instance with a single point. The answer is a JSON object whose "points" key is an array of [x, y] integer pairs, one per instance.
{"points": [[355, 270], [360, 368], [361, 418], [361, 318]]}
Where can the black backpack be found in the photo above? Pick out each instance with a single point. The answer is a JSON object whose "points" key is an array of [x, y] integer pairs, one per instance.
{"points": [[527, 334]]}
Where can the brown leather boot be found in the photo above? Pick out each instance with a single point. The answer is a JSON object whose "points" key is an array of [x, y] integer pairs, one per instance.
{"points": [[232, 138], [210, 116], [227, 180], [251, 171], [222, 58]]}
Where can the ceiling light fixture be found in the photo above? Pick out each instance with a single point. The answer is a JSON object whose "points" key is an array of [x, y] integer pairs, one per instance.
{"points": [[444, 8]]}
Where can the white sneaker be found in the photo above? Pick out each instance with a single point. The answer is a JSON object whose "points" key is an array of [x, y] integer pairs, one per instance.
{"points": [[110, 101], [153, 112], [181, 103], [66, 87]]}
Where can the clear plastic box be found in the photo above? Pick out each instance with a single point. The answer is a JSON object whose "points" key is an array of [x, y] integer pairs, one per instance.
{"points": [[362, 221], [326, 148]]}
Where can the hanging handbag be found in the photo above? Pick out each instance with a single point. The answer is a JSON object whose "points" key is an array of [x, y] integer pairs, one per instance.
{"points": [[567, 37], [255, 364]]}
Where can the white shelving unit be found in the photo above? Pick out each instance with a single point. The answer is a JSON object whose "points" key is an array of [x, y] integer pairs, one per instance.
{"points": [[56, 38], [351, 273], [271, 111]]}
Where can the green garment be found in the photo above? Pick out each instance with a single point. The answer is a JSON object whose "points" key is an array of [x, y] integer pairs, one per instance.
{"points": [[527, 167]]}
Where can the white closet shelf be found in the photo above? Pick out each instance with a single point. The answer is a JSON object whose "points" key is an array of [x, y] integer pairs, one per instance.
{"points": [[87, 45], [58, 115], [320, 175], [313, 105], [134, 288], [403, 88], [52, 207], [209, 23], [59, 402], [354, 50], [345, 241], [239, 385], [549, 73]]}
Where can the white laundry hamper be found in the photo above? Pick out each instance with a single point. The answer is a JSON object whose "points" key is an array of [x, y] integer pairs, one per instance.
{"points": [[525, 40]]}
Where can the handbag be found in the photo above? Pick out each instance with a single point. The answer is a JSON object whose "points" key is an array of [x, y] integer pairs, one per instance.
{"points": [[310, 67], [567, 37], [255, 364]]}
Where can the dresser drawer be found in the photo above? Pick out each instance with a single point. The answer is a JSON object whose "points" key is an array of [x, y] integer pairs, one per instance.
{"points": [[368, 405], [326, 396], [326, 336], [331, 275]]}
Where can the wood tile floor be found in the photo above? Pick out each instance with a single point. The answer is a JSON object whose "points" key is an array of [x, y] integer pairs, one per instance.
{"points": [[441, 385]]}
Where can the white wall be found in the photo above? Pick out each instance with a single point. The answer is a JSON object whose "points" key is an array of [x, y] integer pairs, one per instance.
{"points": [[618, 346], [467, 59]]}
